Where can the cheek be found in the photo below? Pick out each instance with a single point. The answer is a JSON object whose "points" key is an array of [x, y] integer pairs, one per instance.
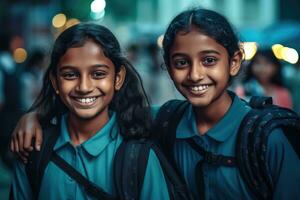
{"points": [[64, 86], [178, 75], [107, 84]]}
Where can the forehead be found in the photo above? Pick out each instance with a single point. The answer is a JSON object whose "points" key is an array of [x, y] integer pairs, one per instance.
{"points": [[195, 40], [89, 54]]}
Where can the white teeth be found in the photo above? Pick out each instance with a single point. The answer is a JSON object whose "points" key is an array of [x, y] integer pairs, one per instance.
{"points": [[199, 88], [86, 100]]}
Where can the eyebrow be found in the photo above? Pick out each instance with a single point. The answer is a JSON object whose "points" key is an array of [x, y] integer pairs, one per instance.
{"points": [[202, 52], [66, 67]]}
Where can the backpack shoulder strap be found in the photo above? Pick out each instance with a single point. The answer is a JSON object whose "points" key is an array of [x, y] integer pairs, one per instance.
{"points": [[166, 122], [129, 168], [90, 187], [252, 143], [38, 160], [260, 102]]}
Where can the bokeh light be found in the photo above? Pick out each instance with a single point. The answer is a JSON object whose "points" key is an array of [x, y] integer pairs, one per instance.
{"points": [[277, 50], [290, 55], [98, 6], [250, 49], [59, 20], [19, 55], [160, 41], [71, 22]]}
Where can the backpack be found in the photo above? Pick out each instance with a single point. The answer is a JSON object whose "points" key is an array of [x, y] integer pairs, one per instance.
{"points": [[253, 133], [130, 164]]}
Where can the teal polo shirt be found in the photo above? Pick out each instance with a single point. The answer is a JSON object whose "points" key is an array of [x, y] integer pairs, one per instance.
{"points": [[223, 182], [94, 160]]}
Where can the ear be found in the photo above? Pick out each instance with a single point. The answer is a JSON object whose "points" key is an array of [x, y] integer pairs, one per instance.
{"points": [[54, 83], [120, 78], [235, 63]]}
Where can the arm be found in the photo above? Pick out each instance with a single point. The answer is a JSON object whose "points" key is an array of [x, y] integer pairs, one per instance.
{"points": [[20, 185], [284, 165], [27, 128], [154, 186]]}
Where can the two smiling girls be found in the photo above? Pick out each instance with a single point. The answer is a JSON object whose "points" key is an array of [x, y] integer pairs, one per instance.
{"points": [[202, 54]]}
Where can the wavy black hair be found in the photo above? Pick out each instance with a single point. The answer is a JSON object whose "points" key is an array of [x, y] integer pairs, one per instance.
{"points": [[207, 22], [130, 103]]}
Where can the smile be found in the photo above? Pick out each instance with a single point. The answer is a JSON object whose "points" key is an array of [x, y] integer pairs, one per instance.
{"points": [[86, 101], [199, 88]]}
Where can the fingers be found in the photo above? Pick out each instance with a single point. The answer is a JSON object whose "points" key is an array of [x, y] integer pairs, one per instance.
{"points": [[23, 158], [20, 136], [12, 145], [28, 137], [38, 138], [13, 139]]}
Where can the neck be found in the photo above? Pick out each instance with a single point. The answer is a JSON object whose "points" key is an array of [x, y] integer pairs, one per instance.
{"points": [[208, 116], [81, 130]]}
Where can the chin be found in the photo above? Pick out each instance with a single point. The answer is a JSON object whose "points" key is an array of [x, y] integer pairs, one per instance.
{"points": [[86, 115], [198, 101]]}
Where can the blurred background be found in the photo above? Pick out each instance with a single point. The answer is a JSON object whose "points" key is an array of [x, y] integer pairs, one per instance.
{"points": [[269, 30]]}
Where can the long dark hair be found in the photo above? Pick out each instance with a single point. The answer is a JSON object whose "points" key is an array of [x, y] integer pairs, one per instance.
{"points": [[207, 22], [130, 103]]}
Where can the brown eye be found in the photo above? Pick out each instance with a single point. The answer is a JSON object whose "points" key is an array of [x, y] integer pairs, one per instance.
{"points": [[181, 63], [69, 75], [98, 74], [209, 61]]}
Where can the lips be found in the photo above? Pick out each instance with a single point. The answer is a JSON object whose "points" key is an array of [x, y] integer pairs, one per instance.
{"points": [[85, 102], [198, 89]]}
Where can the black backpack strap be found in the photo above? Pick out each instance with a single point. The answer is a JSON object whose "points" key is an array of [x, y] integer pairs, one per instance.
{"points": [[176, 187], [38, 160], [252, 144], [260, 102], [210, 157], [166, 123], [129, 168], [90, 187]]}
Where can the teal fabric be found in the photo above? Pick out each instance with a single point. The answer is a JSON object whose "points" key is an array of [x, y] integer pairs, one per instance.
{"points": [[94, 159], [225, 182]]}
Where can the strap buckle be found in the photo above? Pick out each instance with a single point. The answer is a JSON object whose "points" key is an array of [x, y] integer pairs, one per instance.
{"points": [[212, 158]]}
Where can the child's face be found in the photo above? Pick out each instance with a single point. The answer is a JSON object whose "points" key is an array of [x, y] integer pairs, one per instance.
{"points": [[200, 67], [263, 69], [86, 80]]}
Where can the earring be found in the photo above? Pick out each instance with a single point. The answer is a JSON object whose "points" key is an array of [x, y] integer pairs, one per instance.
{"points": [[57, 92]]}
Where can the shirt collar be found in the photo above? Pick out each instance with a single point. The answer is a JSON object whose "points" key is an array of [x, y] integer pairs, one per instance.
{"points": [[223, 129], [97, 143]]}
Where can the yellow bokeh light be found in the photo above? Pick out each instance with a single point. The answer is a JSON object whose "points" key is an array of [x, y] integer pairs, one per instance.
{"points": [[250, 49], [59, 20], [71, 22], [277, 50], [290, 55], [160, 41], [20, 55]]}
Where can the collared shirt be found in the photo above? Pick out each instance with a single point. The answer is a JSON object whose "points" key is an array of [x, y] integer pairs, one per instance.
{"points": [[223, 182], [94, 160]]}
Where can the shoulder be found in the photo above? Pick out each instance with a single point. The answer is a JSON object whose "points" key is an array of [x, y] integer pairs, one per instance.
{"points": [[169, 105], [278, 145], [276, 138]]}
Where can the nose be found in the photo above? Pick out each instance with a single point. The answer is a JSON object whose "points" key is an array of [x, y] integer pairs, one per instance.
{"points": [[85, 85], [196, 73]]}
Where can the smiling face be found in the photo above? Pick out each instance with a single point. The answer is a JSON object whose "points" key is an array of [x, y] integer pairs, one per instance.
{"points": [[200, 67], [86, 81]]}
